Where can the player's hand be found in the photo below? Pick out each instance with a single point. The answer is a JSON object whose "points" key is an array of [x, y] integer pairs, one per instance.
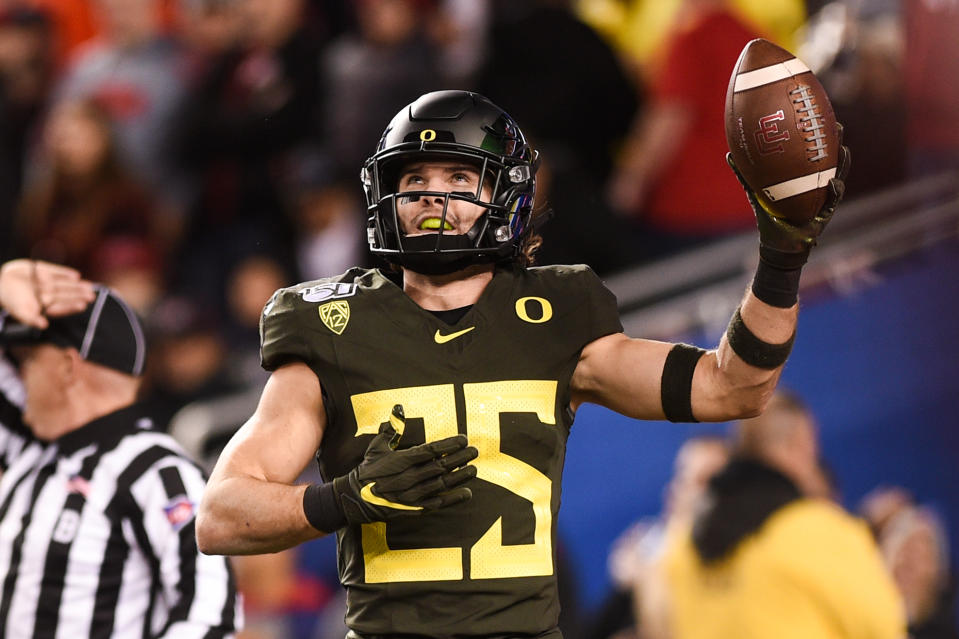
{"points": [[32, 290], [391, 483], [792, 242]]}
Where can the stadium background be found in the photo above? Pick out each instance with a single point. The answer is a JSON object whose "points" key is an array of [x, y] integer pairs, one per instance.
{"points": [[877, 340]]}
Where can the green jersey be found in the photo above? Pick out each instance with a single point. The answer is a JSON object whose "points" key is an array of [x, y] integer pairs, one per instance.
{"points": [[501, 375]]}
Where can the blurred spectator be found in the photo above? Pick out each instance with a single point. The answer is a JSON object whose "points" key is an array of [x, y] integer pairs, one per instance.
{"points": [[330, 218], [768, 556], [134, 268], [640, 28], [228, 379], [250, 286], [388, 62], [878, 112], [575, 100], [460, 29], [932, 93], [635, 553], [859, 59], [73, 21], [188, 361], [252, 104], [913, 544], [882, 505], [281, 601], [576, 103], [26, 69], [82, 195], [135, 72], [672, 176]]}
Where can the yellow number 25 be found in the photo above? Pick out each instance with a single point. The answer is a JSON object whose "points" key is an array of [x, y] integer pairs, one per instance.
{"points": [[436, 405]]}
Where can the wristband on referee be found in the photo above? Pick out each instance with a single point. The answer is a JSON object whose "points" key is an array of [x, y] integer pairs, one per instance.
{"points": [[322, 509], [777, 277], [753, 350]]}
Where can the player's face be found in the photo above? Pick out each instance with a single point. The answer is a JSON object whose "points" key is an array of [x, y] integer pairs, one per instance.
{"points": [[422, 215], [44, 369]]}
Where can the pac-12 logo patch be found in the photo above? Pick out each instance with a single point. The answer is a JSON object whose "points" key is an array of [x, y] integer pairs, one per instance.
{"points": [[336, 315], [179, 511], [331, 291]]}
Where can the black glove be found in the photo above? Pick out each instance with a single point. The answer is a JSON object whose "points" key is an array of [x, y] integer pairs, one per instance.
{"points": [[783, 244], [391, 483]]}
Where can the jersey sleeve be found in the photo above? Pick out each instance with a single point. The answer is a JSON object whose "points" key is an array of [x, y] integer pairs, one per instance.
{"points": [[282, 331], [199, 589], [603, 307]]}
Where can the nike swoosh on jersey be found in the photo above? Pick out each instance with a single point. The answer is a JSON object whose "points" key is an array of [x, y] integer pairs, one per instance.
{"points": [[366, 494], [439, 338]]}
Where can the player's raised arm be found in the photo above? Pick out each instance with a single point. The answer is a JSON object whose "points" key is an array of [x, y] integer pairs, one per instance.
{"points": [[654, 380]]}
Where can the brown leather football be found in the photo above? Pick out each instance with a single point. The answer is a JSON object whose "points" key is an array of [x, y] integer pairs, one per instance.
{"points": [[781, 131]]}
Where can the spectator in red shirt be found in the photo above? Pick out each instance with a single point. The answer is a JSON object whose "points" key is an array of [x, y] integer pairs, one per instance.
{"points": [[672, 177], [932, 93]]}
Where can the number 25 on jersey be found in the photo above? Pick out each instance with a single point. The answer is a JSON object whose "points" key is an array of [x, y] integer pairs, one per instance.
{"points": [[436, 405]]}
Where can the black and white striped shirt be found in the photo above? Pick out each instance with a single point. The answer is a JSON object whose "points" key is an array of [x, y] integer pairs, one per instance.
{"points": [[97, 533]]}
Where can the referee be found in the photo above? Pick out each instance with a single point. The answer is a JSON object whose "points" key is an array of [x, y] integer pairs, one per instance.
{"points": [[96, 507]]}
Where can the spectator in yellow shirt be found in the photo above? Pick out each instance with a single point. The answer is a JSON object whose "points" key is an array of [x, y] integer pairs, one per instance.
{"points": [[769, 555]]}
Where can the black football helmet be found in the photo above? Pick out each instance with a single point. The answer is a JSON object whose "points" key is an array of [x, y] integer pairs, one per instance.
{"points": [[446, 125]]}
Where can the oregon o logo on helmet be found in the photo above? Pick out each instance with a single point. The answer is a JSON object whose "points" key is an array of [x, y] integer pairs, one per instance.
{"points": [[427, 135], [545, 314]]}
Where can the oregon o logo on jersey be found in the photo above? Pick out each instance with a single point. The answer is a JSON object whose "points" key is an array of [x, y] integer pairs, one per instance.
{"points": [[545, 310], [336, 315]]}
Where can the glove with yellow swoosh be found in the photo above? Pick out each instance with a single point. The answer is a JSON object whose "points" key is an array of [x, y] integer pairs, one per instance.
{"points": [[391, 483]]}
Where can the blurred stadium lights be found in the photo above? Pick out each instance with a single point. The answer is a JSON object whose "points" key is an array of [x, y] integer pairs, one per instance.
{"points": [[698, 290]]}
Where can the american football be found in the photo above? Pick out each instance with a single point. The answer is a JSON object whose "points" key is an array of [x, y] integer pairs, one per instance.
{"points": [[781, 131]]}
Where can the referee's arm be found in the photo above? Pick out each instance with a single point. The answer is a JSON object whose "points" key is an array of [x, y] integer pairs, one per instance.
{"points": [[199, 590], [14, 435]]}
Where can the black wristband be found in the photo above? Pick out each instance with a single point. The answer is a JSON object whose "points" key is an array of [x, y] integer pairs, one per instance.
{"points": [[753, 350], [677, 382], [321, 508], [777, 277]]}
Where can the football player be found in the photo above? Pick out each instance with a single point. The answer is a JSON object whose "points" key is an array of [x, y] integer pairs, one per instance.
{"points": [[439, 408]]}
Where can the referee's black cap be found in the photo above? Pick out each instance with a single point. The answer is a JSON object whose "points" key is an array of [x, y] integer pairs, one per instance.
{"points": [[108, 332]]}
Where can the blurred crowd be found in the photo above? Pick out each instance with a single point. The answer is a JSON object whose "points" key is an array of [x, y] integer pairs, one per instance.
{"points": [[198, 154], [776, 553]]}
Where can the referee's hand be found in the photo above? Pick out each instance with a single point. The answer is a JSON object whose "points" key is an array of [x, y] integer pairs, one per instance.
{"points": [[392, 483], [32, 290]]}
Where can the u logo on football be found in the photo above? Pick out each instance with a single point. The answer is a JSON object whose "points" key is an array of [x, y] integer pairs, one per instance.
{"points": [[545, 309], [336, 315], [769, 138]]}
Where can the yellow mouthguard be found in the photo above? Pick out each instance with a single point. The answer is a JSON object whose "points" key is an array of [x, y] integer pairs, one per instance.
{"points": [[433, 223]]}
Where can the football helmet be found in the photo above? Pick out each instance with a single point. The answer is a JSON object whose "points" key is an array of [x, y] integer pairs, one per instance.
{"points": [[440, 126]]}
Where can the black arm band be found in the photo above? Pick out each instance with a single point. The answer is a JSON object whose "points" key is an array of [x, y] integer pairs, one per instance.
{"points": [[777, 277], [677, 383], [321, 508], [753, 350]]}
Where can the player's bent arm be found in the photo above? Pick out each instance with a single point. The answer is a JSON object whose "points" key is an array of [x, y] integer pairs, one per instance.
{"points": [[251, 505], [626, 374], [724, 385], [622, 374]]}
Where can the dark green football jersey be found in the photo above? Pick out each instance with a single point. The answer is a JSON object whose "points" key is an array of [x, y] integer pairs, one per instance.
{"points": [[500, 375]]}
